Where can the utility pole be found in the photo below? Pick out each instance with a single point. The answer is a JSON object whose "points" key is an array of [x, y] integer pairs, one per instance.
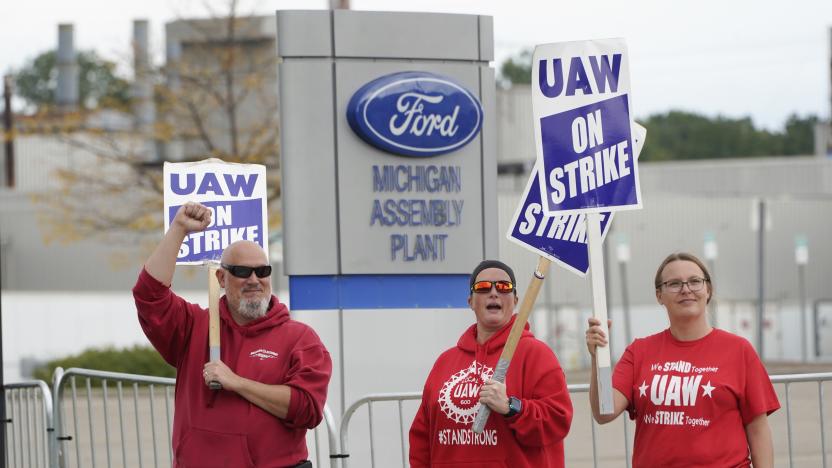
{"points": [[801, 257], [761, 289], [828, 150], [8, 127], [711, 253], [3, 419], [623, 254]]}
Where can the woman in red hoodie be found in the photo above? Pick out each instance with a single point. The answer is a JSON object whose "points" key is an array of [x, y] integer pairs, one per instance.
{"points": [[533, 411]]}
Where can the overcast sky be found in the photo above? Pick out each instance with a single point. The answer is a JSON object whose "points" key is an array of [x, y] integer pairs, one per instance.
{"points": [[765, 59]]}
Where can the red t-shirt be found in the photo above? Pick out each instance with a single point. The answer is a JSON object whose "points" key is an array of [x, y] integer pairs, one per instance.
{"points": [[691, 400]]}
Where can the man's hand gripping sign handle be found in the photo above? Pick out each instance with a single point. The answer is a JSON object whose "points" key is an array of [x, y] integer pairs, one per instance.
{"points": [[514, 337]]}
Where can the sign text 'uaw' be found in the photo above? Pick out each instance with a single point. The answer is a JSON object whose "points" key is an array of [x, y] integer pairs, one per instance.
{"points": [[236, 196], [415, 114], [581, 106]]}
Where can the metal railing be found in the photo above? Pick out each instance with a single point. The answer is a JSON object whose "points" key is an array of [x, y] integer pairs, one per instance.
{"points": [[330, 425], [92, 428], [104, 433], [399, 398], [29, 428], [584, 388], [97, 418], [786, 380], [151, 429]]}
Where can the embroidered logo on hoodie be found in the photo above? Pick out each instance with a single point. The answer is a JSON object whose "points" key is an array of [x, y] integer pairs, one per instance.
{"points": [[263, 354], [459, 396]]}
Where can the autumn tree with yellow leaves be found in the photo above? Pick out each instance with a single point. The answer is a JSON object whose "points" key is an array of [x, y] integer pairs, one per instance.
{"points": [[215, 97]]}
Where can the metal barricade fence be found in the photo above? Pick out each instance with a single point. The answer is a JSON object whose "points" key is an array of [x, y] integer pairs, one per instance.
{"points": [[404, 425], [107, 419], [399, 398], [331, 450], [805, 437], [142, 431], [112, 419], [29, 426], [812, 451], [85, 435]]}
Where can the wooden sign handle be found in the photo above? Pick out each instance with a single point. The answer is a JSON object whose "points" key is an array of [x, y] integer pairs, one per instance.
{"points": [[213, 320], [514, 337]]}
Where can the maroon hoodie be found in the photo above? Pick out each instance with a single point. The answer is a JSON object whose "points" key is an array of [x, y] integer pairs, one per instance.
{"points": [[441, 433], [221, 428]]}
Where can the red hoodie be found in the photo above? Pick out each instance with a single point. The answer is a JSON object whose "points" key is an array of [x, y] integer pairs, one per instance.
{"points": [[221, 428], [441, 433]]}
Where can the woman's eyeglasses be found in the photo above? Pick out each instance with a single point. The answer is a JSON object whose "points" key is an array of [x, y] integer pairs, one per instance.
{"points": [[675, 286], [503, 287], [245, 271]]}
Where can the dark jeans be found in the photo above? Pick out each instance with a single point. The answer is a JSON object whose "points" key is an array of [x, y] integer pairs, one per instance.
{"points": [[304, 464]]}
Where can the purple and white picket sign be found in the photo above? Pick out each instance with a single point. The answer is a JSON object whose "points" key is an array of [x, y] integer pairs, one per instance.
{"points": [[582, 124], [562, 238], [236, 195]]}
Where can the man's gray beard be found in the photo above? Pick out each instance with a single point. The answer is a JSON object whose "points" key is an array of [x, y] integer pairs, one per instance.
{"points": [[253, 309]]}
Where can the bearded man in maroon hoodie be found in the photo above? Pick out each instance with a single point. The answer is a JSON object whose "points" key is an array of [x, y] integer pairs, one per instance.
{"points": [[531, 412], [274, 371]]}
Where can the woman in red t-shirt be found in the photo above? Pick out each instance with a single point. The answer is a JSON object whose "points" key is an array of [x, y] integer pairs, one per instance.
{"points": [[699, 395]]}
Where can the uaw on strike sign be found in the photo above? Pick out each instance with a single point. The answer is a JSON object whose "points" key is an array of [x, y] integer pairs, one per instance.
{"points": [[236, 196], [581, 106], [587, 148]]}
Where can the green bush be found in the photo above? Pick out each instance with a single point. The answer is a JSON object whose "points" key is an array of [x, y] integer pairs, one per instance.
{"points": [[143, 360]]}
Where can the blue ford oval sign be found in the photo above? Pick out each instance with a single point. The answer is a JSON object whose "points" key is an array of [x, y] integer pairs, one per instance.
{"points": [[415, 114]]}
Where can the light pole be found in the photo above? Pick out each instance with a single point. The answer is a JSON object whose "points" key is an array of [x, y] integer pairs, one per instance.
{"points": [[711, 252], [8, 127], [760, 224], [623, 255], [801, 257]]}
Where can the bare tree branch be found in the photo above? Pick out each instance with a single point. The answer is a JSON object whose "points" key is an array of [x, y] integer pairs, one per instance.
{"points": [[222, 105]]}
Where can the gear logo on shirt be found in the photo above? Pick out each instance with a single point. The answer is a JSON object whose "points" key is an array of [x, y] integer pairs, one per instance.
{"points": [[263, 354], [459, 396]]}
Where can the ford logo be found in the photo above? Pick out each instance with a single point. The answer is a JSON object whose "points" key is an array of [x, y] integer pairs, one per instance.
{"points": [[415, 114]]}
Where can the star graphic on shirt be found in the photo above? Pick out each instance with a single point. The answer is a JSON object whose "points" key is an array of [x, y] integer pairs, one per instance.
{"points": [[642, 390], [707, 389]]}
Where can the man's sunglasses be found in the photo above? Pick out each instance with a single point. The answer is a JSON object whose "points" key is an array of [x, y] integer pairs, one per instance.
{"points": [[245, 271], [503, 287]]}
